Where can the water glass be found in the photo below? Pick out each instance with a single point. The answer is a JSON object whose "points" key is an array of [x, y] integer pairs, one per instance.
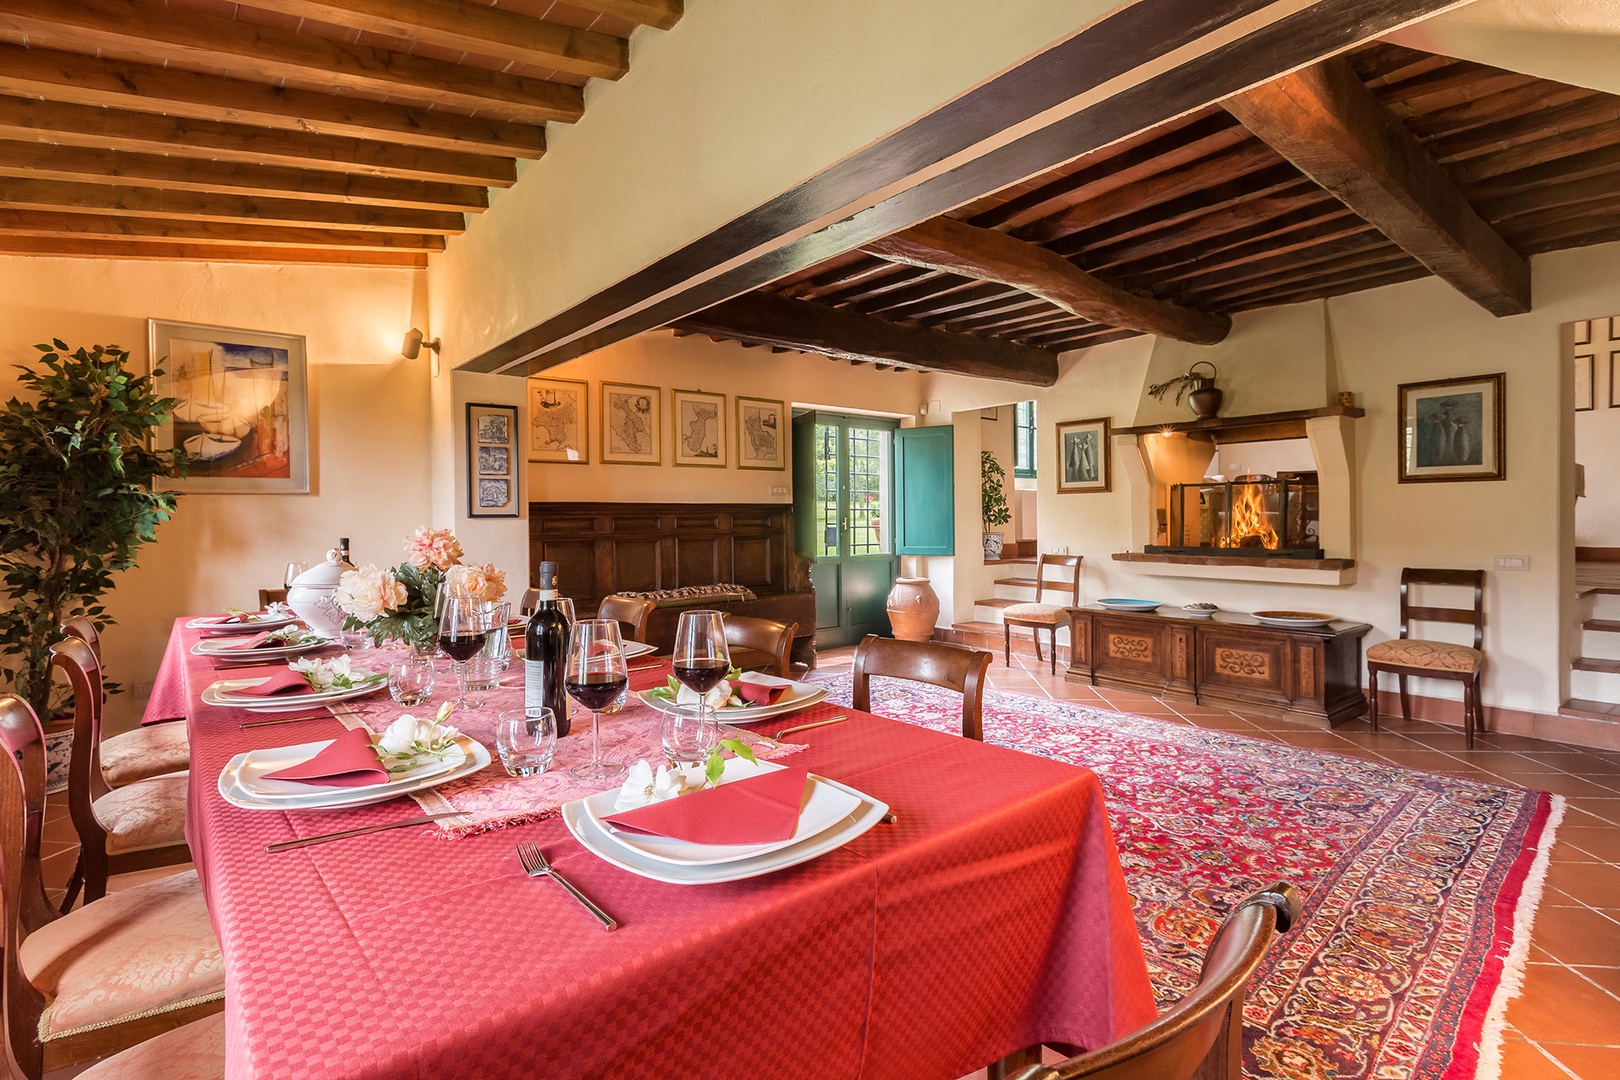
{"points": [[498, 647], [484, 673], [356, 639], [410, 681], [526, 739]]}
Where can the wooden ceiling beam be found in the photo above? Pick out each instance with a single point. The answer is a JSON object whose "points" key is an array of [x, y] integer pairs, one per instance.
{"points": [[663, 14], [153, 202], [169, 252], [945, 244], [112, 227], [91, 80], [474, 28], [762, 319], [101, 127], [72, 163], [156, 35], [1326, 121]]}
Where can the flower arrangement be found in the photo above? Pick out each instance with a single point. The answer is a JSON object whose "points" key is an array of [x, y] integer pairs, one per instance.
{"points": [[400, 603]]}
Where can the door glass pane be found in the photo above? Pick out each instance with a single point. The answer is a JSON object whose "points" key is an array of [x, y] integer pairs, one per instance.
{"points": [[869, 518], [826, 496]]}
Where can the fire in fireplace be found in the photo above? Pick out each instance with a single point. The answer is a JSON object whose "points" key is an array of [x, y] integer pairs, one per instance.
{"points": [[1249, 516]]}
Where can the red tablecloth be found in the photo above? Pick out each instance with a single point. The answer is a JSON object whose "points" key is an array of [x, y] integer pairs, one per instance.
{"points": [[992, 916]]}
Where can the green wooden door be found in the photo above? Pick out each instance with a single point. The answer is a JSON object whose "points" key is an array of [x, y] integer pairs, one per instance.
{"points": [[924, 491], [843, 483]]}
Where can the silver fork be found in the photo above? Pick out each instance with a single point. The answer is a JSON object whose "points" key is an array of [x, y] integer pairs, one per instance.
{"points": [[535, 865]]}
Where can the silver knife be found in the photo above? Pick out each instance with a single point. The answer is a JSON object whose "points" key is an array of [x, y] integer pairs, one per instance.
{"points": [[288, 845]]}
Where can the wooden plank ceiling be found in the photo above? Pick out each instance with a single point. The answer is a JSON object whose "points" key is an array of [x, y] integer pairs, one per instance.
{"points": [[1386, 165], [354, 132]]}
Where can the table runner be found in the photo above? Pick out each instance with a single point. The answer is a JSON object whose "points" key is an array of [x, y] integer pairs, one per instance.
{"points": [[992, 916]]}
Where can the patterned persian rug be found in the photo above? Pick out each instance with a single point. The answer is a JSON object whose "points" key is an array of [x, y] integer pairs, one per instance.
{"points": [[1419, 888]]}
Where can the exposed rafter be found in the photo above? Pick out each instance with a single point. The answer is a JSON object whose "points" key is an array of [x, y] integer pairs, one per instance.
{"points": [[1328, 124], [46, 223], [946, 244], [660, 13]]}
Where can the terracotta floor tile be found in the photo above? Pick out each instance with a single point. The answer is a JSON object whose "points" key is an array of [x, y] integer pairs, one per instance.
{"points": [[1609, 979], [1521, 1060], [1597, 884], [1586, 1062], [1560, 1006], [1601, 842], [1579, 936]]}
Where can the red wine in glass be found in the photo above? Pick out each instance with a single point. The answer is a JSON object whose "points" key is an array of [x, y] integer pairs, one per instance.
{"points": [[461, 647], [701, 675], [597, 690]]}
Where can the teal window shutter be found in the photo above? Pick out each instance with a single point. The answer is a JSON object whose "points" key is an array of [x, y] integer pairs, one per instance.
{"points": [[925, 491]]}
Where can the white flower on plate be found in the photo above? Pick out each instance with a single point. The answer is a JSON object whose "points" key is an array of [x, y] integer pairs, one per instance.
{"points": [[643, 787], [409, 738], [323, 675], [718, 697], [278, 610]]}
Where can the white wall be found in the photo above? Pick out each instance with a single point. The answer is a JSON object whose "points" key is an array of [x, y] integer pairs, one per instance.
{"points": [[1597, 435]]}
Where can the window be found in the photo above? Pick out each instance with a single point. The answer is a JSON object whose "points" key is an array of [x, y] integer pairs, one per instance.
{"points": [[1024, 439]]}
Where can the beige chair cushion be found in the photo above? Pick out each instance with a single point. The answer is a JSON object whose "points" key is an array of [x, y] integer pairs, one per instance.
{"points": [[195, 1051], [147, 751], [1046, 614], [143, 950], [145, 814], [1433, 655]]}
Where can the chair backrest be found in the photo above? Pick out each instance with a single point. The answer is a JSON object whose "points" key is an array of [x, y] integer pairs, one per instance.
{"points": [[631, 613], [530, 601], [1070, 561], [271, 596], [85, 782], [762, 635], [26, 909], [955, 667], [1474, 616], [85, 630], [1207, 1023]]}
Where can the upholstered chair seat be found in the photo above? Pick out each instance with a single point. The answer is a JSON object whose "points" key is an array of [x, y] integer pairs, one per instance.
{"points": [[1434, 655], [1047, 614], [143, 815], [147, 751], [135, 953], [193, 1052]]}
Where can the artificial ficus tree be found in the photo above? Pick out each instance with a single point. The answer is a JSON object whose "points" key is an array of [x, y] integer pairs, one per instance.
{"points": [[76, 500]]}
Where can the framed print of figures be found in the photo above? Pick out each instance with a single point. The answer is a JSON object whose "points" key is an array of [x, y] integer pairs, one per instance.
{"points": [[492, 460], [699, 421], [557, 425], [762, 432], [1451, 429], [243, 412], [1085, 459], [630, 430]]}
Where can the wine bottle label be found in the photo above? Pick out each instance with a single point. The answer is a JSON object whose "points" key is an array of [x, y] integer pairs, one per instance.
{"points": [[534, 684], [548, 594]]}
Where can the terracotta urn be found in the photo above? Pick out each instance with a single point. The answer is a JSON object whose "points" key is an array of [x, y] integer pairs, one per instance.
{"points": [[913, 609]]}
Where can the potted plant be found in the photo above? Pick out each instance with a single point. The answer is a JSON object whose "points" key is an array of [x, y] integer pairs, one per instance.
{"points": [[1200, 390], [993, 502], [76, 500]]}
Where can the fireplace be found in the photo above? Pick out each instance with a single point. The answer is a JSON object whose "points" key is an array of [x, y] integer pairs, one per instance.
{"points": [[1256, 516]]}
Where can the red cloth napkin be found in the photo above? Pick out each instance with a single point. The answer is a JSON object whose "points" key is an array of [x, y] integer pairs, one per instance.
{"points": [[754, 693], [758, 810], [282, 682], [351, 761], [246, 643]]}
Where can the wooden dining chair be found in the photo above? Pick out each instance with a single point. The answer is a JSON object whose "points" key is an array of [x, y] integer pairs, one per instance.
{"points": [[1037, 615], [632, 615], [1202, 1034], [1408, 656], [135, 827], [760, 644], [271, 596], [954, 667], [529, 601], [149, 750], [85, 630], [80, 986]]}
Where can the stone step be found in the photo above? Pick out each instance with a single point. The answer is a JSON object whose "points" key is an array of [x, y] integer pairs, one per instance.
{"points": [[1596, 663], [997, 602], [1607, 626], [1587, 709]]}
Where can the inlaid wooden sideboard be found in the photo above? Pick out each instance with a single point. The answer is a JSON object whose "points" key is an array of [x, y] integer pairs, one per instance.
{"points": [[1230, 661]]}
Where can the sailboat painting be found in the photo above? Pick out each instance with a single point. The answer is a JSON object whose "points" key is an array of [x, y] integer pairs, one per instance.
{"points": [[241, 413]]}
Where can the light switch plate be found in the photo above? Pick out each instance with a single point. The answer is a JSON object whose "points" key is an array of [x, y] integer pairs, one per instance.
{"points": [[1513, 562]]}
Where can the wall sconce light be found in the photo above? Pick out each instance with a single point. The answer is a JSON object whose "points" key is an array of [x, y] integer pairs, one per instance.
{"points": [[413, 344]]}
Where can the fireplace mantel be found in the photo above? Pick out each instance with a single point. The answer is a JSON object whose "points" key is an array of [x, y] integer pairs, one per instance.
{"points": [[1278, 425]]}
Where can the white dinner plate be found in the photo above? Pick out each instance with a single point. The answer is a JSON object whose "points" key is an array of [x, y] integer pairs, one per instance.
{"points": [[219, 693], [1126, 603], [799, 695], [608, 848], [1300, 620], [633, 649], [251, 776], [341, 798], [826, 807], [210, 647], [268, 622]]}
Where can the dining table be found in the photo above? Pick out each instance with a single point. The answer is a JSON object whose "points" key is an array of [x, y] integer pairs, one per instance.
{"points": [[991, 915]]}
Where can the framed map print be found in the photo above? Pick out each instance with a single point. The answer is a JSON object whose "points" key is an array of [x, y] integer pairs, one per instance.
{"points": [[762, 432], [557, 426], [699, 420], [492, 460], [630, 430]]}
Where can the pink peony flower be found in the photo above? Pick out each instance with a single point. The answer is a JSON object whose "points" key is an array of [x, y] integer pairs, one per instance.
{"points": [[480, 580], [368, 592], [437, 548]]}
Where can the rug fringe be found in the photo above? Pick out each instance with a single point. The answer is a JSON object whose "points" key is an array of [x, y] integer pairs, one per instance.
{"points": [[1524, 917]]}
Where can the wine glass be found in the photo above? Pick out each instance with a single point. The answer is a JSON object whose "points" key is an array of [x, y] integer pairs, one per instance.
{"points": [[596, 678], [702, 662], [293, 570], [464, 624]]}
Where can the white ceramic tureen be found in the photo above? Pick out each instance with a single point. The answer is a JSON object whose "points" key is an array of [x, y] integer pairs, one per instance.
{"points": [[313, 595]]}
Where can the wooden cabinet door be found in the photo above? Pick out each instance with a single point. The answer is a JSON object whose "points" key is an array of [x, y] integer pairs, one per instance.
{"points": [[1244, 665]]}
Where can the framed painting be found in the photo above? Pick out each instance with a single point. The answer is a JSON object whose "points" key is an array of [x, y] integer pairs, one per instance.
{"points": [[492, 460], [1614, 369], [1452, 429], [1586, 383], [1085, 458], [762, 432], [631, 434], [699, 421], [557, 424], [243, 407]]}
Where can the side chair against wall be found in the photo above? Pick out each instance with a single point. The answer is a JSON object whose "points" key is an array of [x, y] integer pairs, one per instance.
{"points": [[1036, 615], [150, 750], [1202, 1034], [135, 827], [1408, 656], [760, 644], [954, 667], [632, 615], [141, 962], [271, 596]]}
